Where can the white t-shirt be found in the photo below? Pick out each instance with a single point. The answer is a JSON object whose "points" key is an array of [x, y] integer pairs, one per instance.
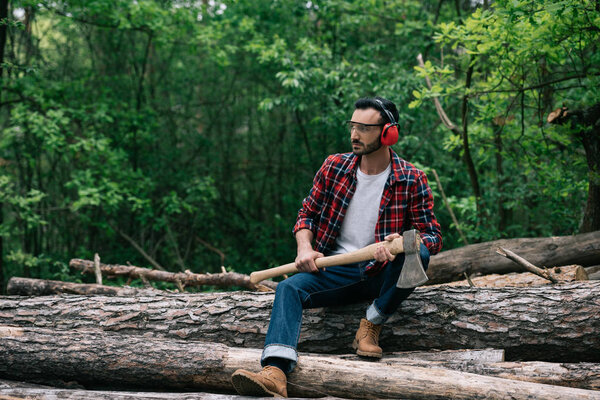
{"points": [[358, 226]]}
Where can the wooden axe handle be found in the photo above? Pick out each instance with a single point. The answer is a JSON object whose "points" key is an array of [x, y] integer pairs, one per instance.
{"points": [[366, 253]]}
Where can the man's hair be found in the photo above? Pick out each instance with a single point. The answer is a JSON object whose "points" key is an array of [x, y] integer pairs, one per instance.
{"points": [[369, 102]]}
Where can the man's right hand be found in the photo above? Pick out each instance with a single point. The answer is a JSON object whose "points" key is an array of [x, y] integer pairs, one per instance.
{"points": [[305, 261]]}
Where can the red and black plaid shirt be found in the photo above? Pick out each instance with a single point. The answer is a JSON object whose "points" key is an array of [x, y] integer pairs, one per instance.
{"points": [[406, 202]]}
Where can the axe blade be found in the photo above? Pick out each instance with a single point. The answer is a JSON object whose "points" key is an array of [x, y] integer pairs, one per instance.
{"points": [[412, 274]]}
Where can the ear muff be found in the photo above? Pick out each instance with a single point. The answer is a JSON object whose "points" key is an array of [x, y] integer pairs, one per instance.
{"points": [[389, 133]]}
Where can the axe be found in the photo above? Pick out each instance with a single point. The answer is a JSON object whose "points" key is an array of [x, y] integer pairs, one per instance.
{"points": [[412, 274]]}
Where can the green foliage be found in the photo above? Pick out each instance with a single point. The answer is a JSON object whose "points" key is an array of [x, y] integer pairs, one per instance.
{"points": [[526, 58], [195, 129]]}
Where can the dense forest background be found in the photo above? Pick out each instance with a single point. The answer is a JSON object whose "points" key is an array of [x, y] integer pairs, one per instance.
{"points": [[184, 134]]}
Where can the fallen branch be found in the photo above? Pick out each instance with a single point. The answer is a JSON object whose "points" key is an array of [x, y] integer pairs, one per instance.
{"points": [[526, 264], [223, 280], [545, 323], [103, 358], [97, 271], [570, 273]]}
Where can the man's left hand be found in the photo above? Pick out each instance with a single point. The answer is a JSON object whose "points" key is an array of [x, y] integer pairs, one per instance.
{"points": [[381, 253]]}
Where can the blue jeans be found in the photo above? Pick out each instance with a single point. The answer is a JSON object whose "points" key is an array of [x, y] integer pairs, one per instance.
{"points": [[335, 286]]}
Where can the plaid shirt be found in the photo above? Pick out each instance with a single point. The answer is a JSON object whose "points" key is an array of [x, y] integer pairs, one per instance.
{"points": [[406, 202]]}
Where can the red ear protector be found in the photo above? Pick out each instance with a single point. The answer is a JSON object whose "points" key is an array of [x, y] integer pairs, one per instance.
{"points": [[389, 133]]}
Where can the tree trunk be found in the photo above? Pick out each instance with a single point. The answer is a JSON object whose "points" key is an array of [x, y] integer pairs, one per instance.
{"points": [[545, 323], [586, 122], [3, 34], [41, 287], [570, 273], [481, 258], [106, 359]]}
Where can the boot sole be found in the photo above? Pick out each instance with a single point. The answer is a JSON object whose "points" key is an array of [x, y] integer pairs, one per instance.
{"points": [[247, 386], [365, 353]]}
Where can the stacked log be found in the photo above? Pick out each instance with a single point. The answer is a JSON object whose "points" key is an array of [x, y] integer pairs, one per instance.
{"points": [[100, 337], [547, 323], [103, 358]]}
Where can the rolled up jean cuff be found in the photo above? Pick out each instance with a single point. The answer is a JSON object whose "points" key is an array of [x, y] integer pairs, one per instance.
{"points": [[281, 351], [375, 316]]}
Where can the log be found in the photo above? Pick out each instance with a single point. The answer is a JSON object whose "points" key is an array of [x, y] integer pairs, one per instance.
{"points": [[579, 375], [22, 390], [593, 272], [41, 287], [569, 273], [545, 323], [104, 358], [222, 280], [482, 259], [481, 356]]}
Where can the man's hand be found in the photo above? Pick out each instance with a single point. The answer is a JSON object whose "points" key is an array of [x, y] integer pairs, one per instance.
{"points": [[305, 261], [382, 254]]}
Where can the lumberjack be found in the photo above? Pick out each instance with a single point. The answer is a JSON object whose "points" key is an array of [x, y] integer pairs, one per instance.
{"points": [[365, 198]]}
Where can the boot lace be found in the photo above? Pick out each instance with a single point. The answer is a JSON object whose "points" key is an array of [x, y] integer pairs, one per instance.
{"points": [[373, 333]]}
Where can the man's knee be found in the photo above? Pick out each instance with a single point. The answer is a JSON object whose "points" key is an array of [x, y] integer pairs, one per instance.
{"points": [[295, 284], [284, 286]]}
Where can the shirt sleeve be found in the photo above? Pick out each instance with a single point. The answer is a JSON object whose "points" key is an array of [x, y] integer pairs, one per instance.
{"points": [[422, 217], [312, 205]]}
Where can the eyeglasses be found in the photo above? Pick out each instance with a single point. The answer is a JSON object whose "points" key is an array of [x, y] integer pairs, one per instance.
{"points": [[360, 127]]}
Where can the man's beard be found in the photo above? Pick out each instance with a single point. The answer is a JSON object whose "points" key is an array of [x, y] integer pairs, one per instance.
{"points": [[367, 149]]}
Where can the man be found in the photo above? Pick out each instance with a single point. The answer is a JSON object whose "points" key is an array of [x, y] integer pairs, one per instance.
{"points": [[358, 198]]}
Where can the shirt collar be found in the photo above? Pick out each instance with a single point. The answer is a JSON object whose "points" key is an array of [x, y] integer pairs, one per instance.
{"points": [[397, 169]]}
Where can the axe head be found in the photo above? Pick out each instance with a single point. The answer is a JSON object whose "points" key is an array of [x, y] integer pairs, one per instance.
{"points": [[412, 274]]}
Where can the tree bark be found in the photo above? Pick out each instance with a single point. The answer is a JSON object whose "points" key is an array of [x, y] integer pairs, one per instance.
{"points": [[102, 358], [593, 272], [41, 287], [222, 280], [545, 323], [3, 34], [10, 390], [481, 258], [570, 273], [491, 363]]}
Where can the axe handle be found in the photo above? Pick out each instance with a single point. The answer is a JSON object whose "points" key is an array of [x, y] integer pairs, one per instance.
{"points": [[366, 253]]}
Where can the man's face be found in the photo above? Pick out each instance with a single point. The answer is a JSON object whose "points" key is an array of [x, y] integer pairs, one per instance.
{"points": [[365, 139]]}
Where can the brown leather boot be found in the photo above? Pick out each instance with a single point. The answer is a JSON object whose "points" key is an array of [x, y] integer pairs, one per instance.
{"points": [[366, 341], [271, 381]]}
